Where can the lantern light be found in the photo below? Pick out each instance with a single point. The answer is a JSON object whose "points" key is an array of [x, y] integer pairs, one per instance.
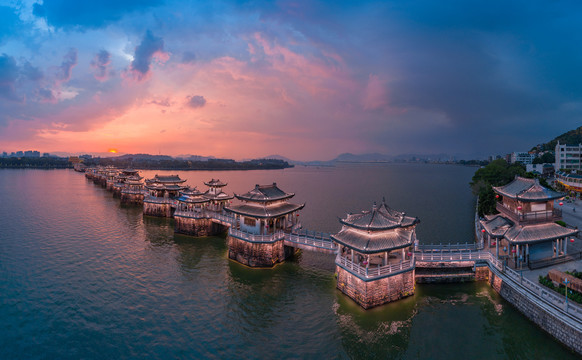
{"points": [[482, 230], [409, 254], [519, 208], [513, 251], [497, 196], [572, 240], [561, 203]]}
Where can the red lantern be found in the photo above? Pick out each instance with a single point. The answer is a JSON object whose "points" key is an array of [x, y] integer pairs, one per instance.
{"points": [[497, 196], [493, 243], [409, 254], [482, 230], [572, 240], [513, 251], [519, 208], [561, 203], [297, 214]]}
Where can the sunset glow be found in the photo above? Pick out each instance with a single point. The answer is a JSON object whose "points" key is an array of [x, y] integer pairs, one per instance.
{"points": [[304, 80]]}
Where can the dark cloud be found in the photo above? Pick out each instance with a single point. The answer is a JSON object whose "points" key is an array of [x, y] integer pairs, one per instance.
{"points": [[88, 14], [196, 101], [188, 57], [144, 52], [161, 102], [46, 95], [69, 61], [8, 76], [100, 64], [31, 73]]}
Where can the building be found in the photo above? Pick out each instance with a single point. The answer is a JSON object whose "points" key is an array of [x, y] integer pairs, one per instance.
{"points": [[218, 198], [525, 230], [162, 191], [522, 157], [190, 217], [121, 178], [375, 262], [133, 191], [568, 156], [262, 220], [545, 170], [570, 182]]}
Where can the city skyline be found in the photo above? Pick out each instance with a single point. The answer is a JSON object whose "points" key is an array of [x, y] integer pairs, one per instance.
{"points": [[305, 80]]}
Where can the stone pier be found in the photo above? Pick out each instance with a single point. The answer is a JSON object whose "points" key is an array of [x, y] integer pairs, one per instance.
{"points": [[257, 254]]}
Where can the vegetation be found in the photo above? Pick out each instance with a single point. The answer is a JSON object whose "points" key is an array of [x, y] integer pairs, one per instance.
{"points": [[35, 163], [571, 137], [561, 289], [548, 157], [175, 164], [561, 223], [497, 173]]}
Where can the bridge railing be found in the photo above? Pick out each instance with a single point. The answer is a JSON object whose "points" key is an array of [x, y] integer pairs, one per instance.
{"points": [[557, 300], [279, 235], [158, 200], [448, 247], [452, 255], [318, 240], [224, 218], [373, 272]]}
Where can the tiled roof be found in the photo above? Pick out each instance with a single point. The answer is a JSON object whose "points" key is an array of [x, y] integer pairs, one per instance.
{"points": [[264, 211], [496, 225], [262, 193], [379, 218], [538, 233], [174, 179], [527, 190], [215, 183], [366, 242]]}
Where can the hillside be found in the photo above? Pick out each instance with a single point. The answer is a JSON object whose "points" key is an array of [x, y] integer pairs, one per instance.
{"points": [[571, 137]]}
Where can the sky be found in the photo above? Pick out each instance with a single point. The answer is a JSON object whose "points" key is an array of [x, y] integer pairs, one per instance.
{"points": [[304, 79]]}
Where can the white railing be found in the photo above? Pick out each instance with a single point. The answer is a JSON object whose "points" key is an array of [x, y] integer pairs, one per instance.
{"points": [[452, 256], [449, 247], [224, 218], [255, 237], [545, 294], [190, 214], [373, 272], [158, 200], [318, 240]]}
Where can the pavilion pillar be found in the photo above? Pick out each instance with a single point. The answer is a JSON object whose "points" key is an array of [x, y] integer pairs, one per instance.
{"points": [[497, 247], [352, 250], [385, 258], [402, 259], [527, 253], [565, 246], [516, 258]]}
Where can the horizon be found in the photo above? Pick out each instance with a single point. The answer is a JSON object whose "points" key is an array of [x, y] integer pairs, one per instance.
{"points": [[307, 80]]}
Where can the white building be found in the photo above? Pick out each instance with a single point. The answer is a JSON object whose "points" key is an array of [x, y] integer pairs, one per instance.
{"points": [[568, 156], [522, 157]]}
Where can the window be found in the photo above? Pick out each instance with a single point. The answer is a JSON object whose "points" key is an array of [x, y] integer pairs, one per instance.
{"points": [[250, 222]]}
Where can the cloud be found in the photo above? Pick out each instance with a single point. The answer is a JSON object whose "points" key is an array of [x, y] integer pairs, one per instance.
{"points": [[8, 77], [196, 101], [149, 47], [75, 14], [63, 73], [46, 95], [188, 57], [9, 22], [100, 65], [161, 102], [375, 95], [32, 73]]}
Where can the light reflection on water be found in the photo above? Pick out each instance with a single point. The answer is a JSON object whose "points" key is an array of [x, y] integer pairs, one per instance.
{"points": [[83, 277]]}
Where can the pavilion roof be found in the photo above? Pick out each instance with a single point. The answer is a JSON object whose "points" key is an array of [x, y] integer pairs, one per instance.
{"points": [[525, 189], [496, 225], [379, 218], [162, 186], [528, 234], [264, 193], [215, 183], [166, 179], [218, 196], [264, 211], [370, 242]]}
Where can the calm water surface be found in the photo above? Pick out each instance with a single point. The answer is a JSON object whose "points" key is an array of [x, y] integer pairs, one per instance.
{"points": [[83, 277]]}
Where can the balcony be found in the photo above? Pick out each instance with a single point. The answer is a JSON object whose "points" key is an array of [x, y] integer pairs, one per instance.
{"points": [[368, 273], [531, 217]]}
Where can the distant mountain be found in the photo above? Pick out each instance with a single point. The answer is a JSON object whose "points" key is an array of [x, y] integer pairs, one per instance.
{"points": [[143, 157], [194, 157], [375, 157], [571, 137]]}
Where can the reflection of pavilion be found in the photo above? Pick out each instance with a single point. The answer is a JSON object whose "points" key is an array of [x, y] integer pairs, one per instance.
{"points": [[375, 264], [525, 231]]}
